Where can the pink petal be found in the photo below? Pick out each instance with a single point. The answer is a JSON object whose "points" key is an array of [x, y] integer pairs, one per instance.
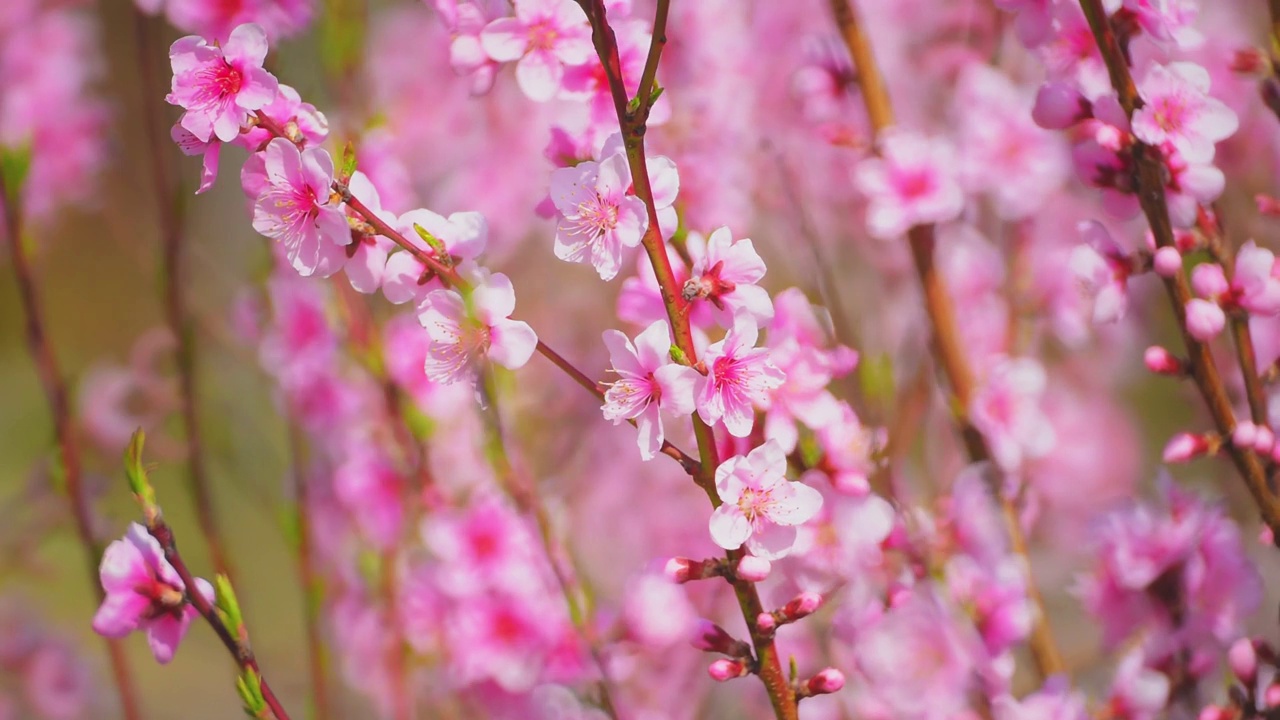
{"points": [[400, 278], [504, 39], [247, 43], [539, 74], [772, 542], [794, 503], [729, 527], [120, 613], [622, 354], [512, 343], [165, 633], [677, 383], [494, 299]]}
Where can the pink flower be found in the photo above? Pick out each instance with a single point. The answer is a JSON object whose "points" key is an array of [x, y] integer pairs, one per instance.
{"points": [[739, 376], [143, 591], [488, 545], [597, 216], [1167, 19], [209, 151], [1006, 409], [1138, 692], [463, 235], [648, 382], [848, 449], [1256, 280], [1054, 701], [296, 208], [911, 183], [725, 273], [544, 35], [465, 21], [463, 332], [1102, 272], [219, 86], [370, 488], [1205, 319], [366, 265], [761, 507], [1179, 110]]}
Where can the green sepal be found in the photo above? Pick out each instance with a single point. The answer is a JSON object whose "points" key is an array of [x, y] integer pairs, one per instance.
{"points": [[442, 254], [249, 686], [137, 474], [678, 356], [348, 163]]}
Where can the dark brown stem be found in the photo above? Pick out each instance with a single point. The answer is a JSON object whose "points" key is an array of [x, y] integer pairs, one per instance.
{"points": [[169, 205], [239, 649], [1151, 196], [948, 347], [312, 588], [55, 390]]}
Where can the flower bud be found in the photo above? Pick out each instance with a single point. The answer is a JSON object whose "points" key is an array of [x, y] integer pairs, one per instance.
{"points": [[725, 670], [1209, 280], [1204, 319], [1167, 261], [1265, 441], [1184, 447], [1267, 205], [681, 570], [1162, 362], [825, 682], [753, 569], [1243, 659], [1248, 61], [1272, 696], [677, 570], [1245, 434], [1059, 106], [710, 637], [1213, 712], [804, 604], [766, 623]]}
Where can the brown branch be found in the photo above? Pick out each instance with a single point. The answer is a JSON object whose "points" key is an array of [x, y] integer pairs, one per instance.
{"points": [[56, 395], [948, 348], [238, 647], [1151, 196], [169, 206]]}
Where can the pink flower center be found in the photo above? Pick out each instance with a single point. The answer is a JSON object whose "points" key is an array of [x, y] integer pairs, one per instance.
{"points": [[753, 503], [542, 36], [1169, 114], [915, 184], [595, 217], [221, 79]]}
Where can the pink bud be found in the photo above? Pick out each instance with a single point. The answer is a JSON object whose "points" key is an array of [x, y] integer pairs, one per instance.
{"points": [[825, 682], [766, 623], [1248, 60], [677, 570], [710, 637], [1167, 261], [804, 604], [1204, 319], [725, 670], [1209, 280], [1059, 106], [753, 569], [1265, 441], [1184, 446], [1266, 536], [1245, 434], [1267, 205], [1272, 696], [1161, 361], [1243, 659], [1213, 712]]}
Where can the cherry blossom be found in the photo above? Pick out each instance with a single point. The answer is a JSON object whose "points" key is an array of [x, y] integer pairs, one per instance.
{"points": [[1006, 409], [761, 507], [463, 236], [739, 376], [296, 206], [911, 183], [219, 86], [648, 383], [144, 592], [1178, 110], [725, 274], [544, 36], [465, 331], [597, 217]]}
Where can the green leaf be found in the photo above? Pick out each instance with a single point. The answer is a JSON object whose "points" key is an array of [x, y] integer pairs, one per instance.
{"points": [[249, 687], [228, 606], [137, 474], [348, 162], [678, 356], [442, 253], [875, 374], [15, 164]]}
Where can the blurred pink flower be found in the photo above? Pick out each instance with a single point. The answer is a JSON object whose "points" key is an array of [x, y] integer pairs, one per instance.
{"points": [[144, 592], [910, 183], [1006, 409], [463, 332], [761, 507], [544, 36], [219, 86], [1178, 110]]}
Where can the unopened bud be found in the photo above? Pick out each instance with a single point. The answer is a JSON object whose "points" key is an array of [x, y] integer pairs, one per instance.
{"points": [[1059, 106], [1213, 712], [710, 637], [681, 570], [766, 623], [725, 670], [1248, 61], [753, 569], [1272, 696], [803, 605], [1167, 261], [1265, 441], [1267, 205], [825, 682], [1245, 434], [1162, 362], [1243, 659], [1184, 447]]}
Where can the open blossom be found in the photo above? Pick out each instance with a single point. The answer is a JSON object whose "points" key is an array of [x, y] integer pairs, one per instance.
{"points": [[465, 331], [726, 274], [544, 35], [1102, 271], [911, 183], [1006, 409], [143, 591], [739, 377], [219, 86], [761, 507], [597, 216], [648, 382], [1177, 109], [296, 207], [463, 235]]}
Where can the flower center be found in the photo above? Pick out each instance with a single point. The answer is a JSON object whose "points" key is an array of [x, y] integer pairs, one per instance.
{"points": [[542, 36], [753, 502], [597, 216]]}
